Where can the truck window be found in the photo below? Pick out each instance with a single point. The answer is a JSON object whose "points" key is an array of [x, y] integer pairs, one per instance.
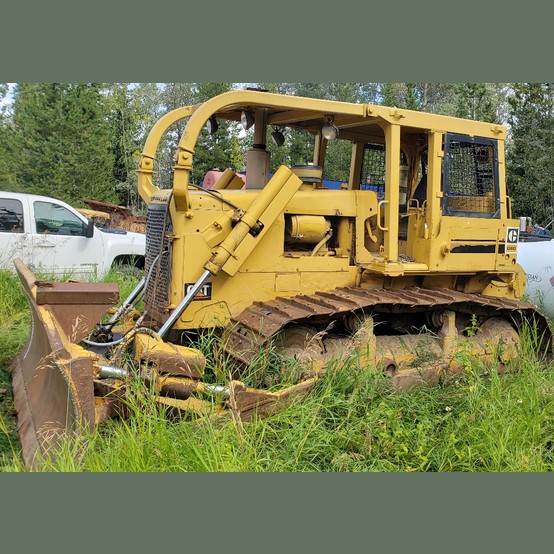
{"points": [[11, 216], [52, 218]]}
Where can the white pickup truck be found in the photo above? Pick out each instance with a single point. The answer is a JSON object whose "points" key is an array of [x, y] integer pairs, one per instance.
{"points": [[53, 237]]}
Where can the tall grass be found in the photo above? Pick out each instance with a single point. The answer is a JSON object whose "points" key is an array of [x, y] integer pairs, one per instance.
{"points": [[14, 329], [352, 421]]}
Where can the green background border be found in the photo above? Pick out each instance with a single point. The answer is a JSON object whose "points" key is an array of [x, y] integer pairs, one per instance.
{"points": [[296, 513], [245, 40], [350, 42]]}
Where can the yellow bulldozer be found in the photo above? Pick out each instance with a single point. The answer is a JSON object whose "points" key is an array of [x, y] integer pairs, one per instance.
{"points": [[410, 261]]}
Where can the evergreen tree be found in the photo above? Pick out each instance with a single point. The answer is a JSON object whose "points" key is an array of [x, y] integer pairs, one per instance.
{"points": [[7, 175], [476, 101], [132, 111], [531, 151], [220, 149], [427, 97], [123, 125], [62, 141], [173, 95]]}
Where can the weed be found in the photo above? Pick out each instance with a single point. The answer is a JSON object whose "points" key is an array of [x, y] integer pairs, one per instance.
{"points": [[351, 421]]}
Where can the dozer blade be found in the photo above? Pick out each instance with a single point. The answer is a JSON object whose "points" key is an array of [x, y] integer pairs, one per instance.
{"points": [[53, 377]]}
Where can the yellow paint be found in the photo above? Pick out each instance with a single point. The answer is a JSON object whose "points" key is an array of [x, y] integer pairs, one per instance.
{"points": [[289, 238]]}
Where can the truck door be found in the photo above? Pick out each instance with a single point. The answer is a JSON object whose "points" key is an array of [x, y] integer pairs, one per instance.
{"points": [[61, 244]]}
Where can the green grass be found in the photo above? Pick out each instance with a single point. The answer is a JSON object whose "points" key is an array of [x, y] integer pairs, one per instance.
{"points": [[352, 421], [14, 329]]}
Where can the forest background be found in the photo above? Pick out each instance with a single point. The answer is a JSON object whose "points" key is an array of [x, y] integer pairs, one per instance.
{"points": [[83, 140]]}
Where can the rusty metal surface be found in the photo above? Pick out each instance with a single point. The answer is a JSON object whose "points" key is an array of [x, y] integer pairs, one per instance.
{"points": [[52, 376], [254, 327], [72, 292], [170, 358], [120, 216], [249, 403]]}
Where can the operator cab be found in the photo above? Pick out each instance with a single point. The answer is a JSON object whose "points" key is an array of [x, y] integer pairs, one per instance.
{"points": [[429, 178]]}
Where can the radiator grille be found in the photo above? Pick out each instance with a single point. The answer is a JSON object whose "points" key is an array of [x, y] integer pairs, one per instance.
{"points": [[158, 225]]}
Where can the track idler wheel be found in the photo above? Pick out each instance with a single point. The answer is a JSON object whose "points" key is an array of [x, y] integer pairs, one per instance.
{"points": [[300, 342], [495, 340], [415, 359]]}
